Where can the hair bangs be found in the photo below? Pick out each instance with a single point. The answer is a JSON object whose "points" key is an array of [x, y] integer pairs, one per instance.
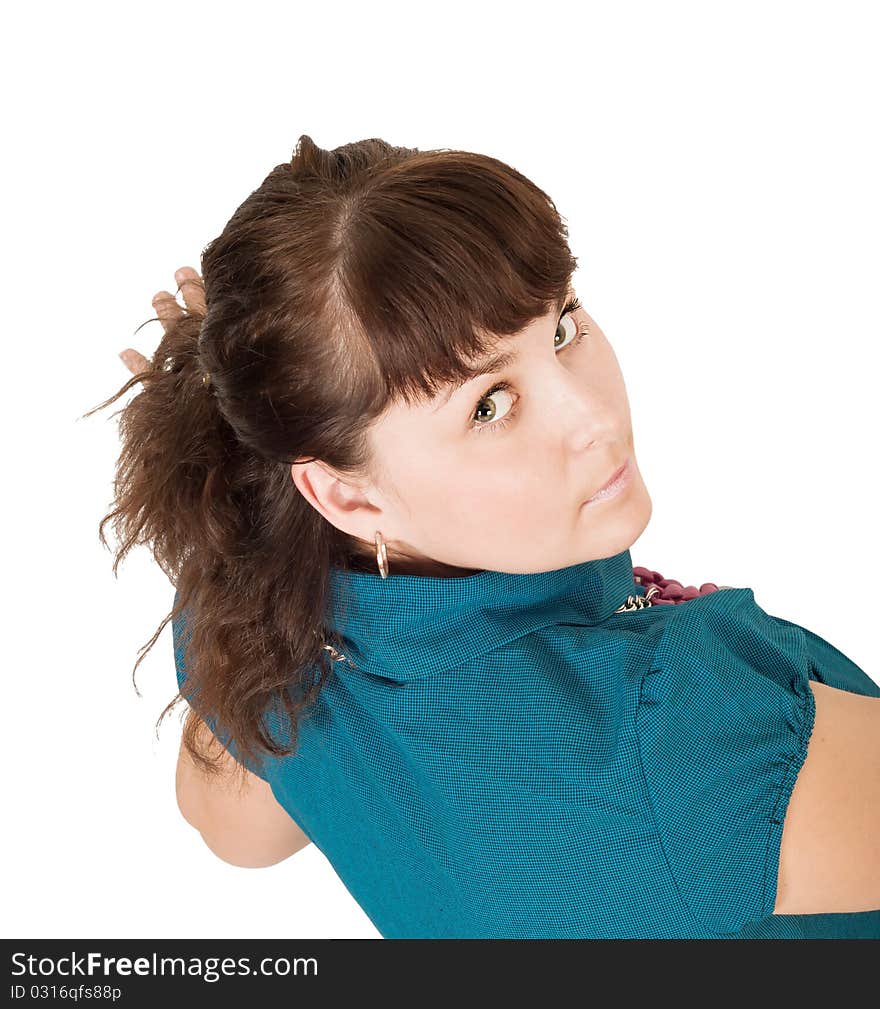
{"points": [[447, 254]]}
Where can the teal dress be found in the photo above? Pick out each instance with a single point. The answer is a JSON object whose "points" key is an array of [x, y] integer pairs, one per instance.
{"points": [[513, 756]]}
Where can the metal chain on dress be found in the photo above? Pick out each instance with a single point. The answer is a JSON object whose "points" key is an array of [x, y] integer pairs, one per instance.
{"points": [[334, 655]]}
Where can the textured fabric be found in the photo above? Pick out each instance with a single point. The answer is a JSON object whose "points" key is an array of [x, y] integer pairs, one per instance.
{"points": [[506, 756]]}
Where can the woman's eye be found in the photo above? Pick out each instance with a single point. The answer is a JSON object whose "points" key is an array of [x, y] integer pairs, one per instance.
{"points": [[488, 406], [573, 331], [577, 332]]}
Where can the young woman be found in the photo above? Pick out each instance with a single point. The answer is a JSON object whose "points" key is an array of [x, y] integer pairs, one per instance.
{"points": [[386, 457]]}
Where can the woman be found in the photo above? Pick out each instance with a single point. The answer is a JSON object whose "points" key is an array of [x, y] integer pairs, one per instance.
{"points": [[386, 457]]}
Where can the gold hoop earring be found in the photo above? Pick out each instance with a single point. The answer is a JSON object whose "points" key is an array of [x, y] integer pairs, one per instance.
{"points": [[381, 555]]}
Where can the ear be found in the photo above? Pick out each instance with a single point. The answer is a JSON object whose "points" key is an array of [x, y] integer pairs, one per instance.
{"points": [[345, 503]]}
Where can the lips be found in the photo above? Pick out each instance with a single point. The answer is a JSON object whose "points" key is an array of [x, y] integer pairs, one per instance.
{"points": [[611, 479]]}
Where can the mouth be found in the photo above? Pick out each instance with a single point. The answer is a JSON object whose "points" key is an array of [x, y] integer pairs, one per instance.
{"points": [[615, 483]]}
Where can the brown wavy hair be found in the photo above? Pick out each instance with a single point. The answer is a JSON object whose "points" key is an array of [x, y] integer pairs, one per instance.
{"points": [[351, 279]]}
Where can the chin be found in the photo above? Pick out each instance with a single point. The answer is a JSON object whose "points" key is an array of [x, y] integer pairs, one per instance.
{"points": [[614, 533]]}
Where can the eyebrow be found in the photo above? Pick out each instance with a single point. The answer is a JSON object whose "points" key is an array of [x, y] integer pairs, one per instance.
{"points": [[494, 362]]}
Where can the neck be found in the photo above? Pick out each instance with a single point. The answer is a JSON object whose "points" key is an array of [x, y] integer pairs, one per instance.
{"points": [[404, 564]]}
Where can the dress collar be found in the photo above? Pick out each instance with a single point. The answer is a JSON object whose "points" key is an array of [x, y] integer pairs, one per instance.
{"points": [[409, 626]]}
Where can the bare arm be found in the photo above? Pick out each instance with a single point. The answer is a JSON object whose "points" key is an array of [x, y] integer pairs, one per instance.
{"points": [[830, 853], [243, 824]]}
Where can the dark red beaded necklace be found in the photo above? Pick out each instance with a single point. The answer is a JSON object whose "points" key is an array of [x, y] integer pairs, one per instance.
{"points": [[660, 591]]}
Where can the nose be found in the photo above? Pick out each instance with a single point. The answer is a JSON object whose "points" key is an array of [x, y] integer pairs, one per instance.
{"points": [[593, 422]]}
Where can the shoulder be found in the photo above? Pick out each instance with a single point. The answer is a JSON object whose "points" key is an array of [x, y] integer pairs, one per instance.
{"points": [[236, 811], [829, 861], [725, 715]]}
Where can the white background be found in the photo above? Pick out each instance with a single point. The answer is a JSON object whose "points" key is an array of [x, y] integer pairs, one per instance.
{"points": [[717, 166]]}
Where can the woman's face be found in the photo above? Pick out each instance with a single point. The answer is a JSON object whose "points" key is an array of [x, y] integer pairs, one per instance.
{"points": [[497, 480]]}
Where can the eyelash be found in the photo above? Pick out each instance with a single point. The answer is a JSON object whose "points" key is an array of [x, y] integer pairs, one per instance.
{"points": [[571, 306]]}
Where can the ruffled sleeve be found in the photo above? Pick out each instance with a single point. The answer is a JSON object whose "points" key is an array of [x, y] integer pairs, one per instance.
{"points": [[180, 636], [724, 718]]}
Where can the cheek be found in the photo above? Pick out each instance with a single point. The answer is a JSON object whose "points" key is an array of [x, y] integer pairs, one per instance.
{"points": [[609, 368], [495, 492], [600, 372]]}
